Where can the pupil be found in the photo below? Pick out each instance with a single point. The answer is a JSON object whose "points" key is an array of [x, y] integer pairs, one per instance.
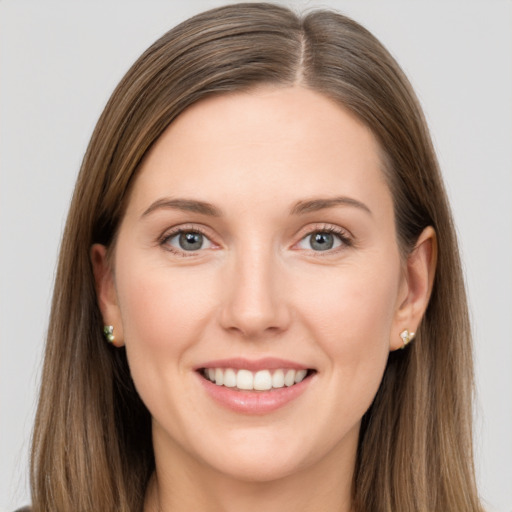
{"points": [[322, 241], [191, 241]]}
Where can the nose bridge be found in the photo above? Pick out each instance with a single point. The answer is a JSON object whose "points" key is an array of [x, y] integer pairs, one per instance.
{"points": [[255, 301]]}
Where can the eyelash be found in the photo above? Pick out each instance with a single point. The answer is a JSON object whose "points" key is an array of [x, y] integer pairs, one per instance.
{"points": [[163, 241], [345, 239]]}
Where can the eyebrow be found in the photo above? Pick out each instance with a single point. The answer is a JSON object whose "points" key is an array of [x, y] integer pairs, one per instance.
{"points": [[314, 205], [300, 208], [187, 205]]}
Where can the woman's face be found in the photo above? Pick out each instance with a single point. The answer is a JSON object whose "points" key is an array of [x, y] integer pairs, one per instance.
{"points": [[258, 245]]}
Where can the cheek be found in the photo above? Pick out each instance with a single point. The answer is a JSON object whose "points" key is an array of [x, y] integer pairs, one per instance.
{"points": [[164, 313], [352, 317], [160, 307], [352, 302]]}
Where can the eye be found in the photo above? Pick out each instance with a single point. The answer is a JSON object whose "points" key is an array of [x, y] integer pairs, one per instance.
{"points": [[322, 241], [188, 241]]}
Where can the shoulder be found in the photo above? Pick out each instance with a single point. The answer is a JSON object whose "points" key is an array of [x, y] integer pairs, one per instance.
{"points": [[24, 509]]}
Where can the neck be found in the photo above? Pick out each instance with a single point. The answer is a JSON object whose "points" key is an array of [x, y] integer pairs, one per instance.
{"points": [[282, 496]]}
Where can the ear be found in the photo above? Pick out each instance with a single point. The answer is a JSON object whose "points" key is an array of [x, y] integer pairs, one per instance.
{"points": [[106, 292], [416, 286]]}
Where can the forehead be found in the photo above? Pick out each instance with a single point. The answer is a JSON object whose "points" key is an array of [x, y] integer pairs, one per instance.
{"points": [[268, 144]]}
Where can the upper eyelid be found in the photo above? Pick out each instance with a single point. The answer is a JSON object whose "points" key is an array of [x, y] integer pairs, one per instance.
{"points": [[184, 228], [345, 236], [181, 228], [170, 233], [323, 226]]}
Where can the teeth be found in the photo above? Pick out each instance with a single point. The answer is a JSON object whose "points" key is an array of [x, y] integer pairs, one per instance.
{"points": [[262, 380], [299, 376], [278, 379], [289, 378], [244, 379], [230, 378]]}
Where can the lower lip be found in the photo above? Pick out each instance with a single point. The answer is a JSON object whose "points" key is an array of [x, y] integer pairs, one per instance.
{"points": [[254, 402]]}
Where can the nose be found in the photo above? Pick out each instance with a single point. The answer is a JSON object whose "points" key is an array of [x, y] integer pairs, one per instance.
{"points": [[255, 304]]}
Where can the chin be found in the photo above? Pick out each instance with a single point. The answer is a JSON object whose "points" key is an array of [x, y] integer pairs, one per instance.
{"points": [[266, 454], [259, 470]]}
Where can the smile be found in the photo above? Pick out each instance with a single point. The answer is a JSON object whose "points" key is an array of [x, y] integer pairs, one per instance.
{"points": [[247, 380], [255, 387]]}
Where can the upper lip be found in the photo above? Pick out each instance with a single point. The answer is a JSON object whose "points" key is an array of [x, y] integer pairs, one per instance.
{"points": [[265, 363]]}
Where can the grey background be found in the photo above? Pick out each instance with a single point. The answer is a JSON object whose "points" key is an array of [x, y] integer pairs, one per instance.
{"points": [[59, 62]]}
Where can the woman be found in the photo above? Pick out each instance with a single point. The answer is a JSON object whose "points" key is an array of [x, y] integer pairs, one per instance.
{"points": [[259, 300]]}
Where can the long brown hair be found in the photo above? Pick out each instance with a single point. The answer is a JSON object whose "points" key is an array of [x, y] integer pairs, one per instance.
{"points": [[92, 445]]}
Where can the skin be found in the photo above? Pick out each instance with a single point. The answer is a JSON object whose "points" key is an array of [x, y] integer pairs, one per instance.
{"points": [[259, 288]]}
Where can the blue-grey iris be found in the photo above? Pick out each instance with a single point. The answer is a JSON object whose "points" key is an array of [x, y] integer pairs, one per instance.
{"points": [[322, 241], [191, 241]]}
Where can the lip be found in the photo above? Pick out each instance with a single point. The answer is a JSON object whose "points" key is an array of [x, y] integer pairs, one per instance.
{"points": [[254, 365], [254, 402]]}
